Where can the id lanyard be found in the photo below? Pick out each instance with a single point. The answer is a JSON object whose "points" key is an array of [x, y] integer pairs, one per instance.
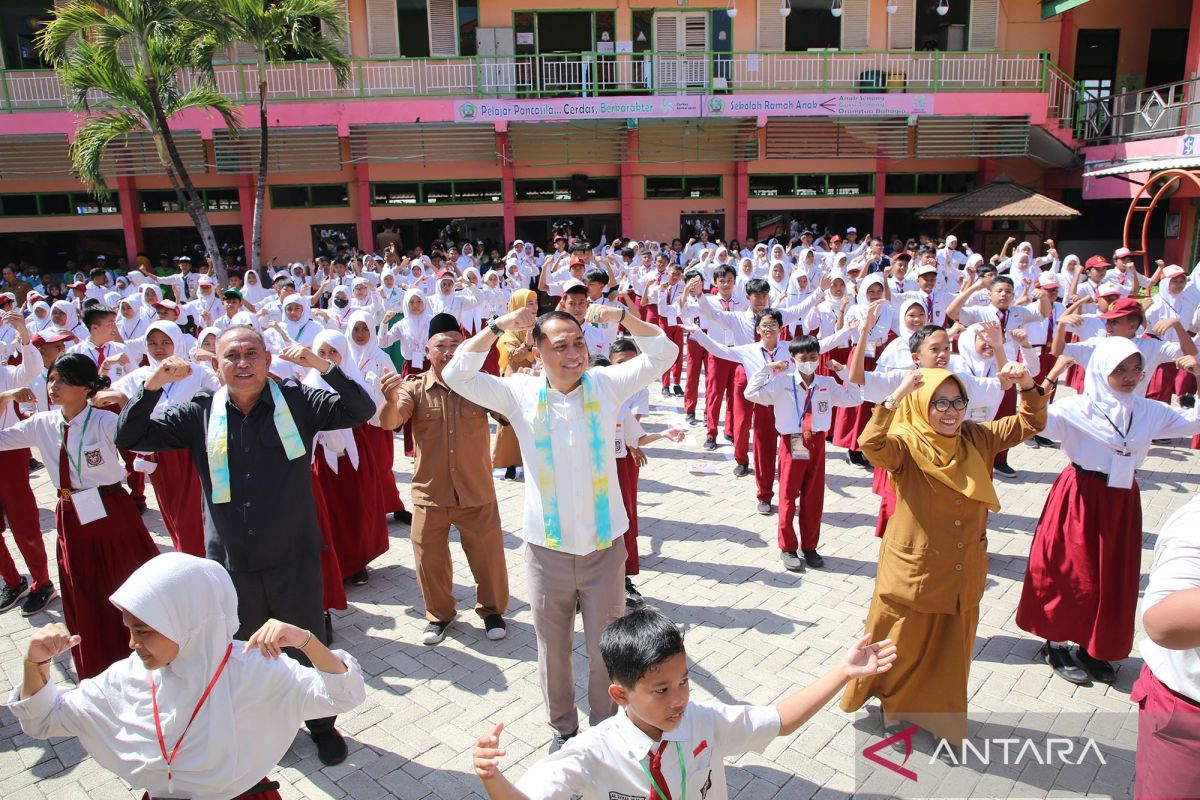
{"points": [[808, 395], [1124, 436], [77, 462], [162, 745], [682, 776]]}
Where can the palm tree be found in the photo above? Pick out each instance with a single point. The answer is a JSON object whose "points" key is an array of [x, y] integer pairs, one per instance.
{"points": [[84, 42], [277, 30]]}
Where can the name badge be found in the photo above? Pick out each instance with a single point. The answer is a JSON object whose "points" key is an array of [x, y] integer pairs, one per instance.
{"points": [[799, 451], [1120, 470], [89, 507], [621, 450]]}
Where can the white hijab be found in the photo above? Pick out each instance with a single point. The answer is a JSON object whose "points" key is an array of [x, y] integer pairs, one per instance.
{"points": [[252, 288], [414, 329], [136, 326], [368, 357], [303, 330], [336, 442]]}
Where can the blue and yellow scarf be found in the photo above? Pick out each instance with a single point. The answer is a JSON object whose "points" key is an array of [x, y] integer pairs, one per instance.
{"points": [[218, 438]]}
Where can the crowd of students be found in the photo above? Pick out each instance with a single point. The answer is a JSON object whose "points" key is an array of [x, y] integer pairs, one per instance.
{"points": [[924, 363]]}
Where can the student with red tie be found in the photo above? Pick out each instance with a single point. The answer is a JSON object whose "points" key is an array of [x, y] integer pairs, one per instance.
{"points": [[803, 403], [718, 372]]}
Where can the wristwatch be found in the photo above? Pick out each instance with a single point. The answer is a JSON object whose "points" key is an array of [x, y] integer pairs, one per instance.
{"points": [[328, 369], [889, 403], [494, 328]]}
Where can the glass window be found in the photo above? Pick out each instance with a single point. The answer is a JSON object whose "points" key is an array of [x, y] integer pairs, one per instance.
{"points": [[811, 26], [468, 21], [335, 195], [289, 196], [958, 182], [850, 185], [154, 201], [663, 187], [702, 186], [533, 189], [810, 185], [899, 184], [927, 183], [222, 199], [477, 191], [604, 189], [413, 19], [438, 192], [85, 204], [62, 203], [19, 205], [772, 185], [395, 194]]}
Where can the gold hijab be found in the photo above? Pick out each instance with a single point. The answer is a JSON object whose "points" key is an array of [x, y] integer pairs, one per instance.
{"points": [[952, 460], [518, 300]]}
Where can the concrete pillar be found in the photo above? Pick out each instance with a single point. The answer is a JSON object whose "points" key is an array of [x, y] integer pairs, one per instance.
{"points": [[131, 216]]}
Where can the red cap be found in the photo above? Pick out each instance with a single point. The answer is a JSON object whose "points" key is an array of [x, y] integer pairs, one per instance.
{"points": [[446, 272], [51, 336], [1124, 307], [1097, 261], [167, 304], [77, 285]]}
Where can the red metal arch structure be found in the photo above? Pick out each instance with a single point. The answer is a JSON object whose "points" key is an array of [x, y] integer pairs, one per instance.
{"points": [[1170, 181]]}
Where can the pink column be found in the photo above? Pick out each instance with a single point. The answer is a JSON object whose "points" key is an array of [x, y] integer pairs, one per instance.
{"points": [[362, 199], [246, 191], [131, 216], [741, 200], [1067, 34], [627, 181], [1193, 51], [508, 185], [880, 197]]}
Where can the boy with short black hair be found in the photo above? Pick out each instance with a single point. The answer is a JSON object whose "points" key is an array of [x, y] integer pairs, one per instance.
{"points": [[685, 743]]}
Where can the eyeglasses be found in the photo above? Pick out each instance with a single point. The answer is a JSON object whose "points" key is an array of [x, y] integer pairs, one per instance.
{"points": [[944, 405], [768, 326]]}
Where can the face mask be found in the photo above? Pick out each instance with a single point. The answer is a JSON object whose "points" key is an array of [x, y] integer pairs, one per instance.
{"points": [[341, 302], [806, 367]]}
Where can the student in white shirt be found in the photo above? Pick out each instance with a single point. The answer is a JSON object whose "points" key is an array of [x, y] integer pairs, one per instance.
{"points": [[1081, 584], [181, 615], [574, 515], [101, 537], [1168, 691], [803, 403], [660, 743]]}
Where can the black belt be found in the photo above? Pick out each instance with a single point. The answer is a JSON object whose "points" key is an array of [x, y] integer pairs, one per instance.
{"points": [[1091, 473], [108, 489]]}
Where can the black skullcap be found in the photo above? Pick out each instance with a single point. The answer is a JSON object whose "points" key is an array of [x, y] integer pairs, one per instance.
{"points": [[443, 323]]}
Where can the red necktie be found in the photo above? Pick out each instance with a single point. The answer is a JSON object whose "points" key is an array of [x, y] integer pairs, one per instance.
{"points": [[1003, 314], [725, 304], [929, 307], [64, 464], [1050, 328], [656, 772], [100, 355]]}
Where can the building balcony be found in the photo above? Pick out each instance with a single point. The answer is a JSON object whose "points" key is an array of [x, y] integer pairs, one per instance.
{"points": [[1156, 112], [611, 74]]}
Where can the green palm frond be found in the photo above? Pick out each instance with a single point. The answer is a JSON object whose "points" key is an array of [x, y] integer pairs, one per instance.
{"points": [[92, 142]]}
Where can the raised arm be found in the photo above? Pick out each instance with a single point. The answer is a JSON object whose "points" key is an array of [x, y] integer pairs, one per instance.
{"points": [[174, 429], [880, 449], [1030, 419]]}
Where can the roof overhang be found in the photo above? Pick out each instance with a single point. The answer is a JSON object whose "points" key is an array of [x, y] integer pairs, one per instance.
{"points": [[1108, 170], [1052, 8]]}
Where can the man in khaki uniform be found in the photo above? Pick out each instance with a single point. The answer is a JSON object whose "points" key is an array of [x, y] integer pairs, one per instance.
{"points": [[451, 485]]}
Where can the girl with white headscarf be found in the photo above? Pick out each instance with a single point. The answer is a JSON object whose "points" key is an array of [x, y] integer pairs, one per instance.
{"points": [[64, 317], [848, 423], [412, 333], [298, 323], [897, 355], [182, 615], [172, 472], [372, 439], [151, 294], [1081, 584], [39, 317], [252, 289], [346, 474]]}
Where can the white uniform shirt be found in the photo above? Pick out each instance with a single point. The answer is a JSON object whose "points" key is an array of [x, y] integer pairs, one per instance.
{"points": [[94, 460], [516, 397], [1176, 568], [18, 377], [102, 353], [604, 762], [1154, 352], [1017, 317], [788, 393]]}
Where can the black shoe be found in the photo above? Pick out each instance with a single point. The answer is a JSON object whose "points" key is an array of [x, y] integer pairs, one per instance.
{"points": [[494, 627], [403, 516], [633, 598], [678, 390], [510, 473], [666, 391], [1059, 659], [328, 629], [35, 465], [559, 740], [690, 419], [1101, 671], [331, 747], [1006, 470], [764, 509], [359, 578], [813, 559], [434, 632], [1042, 441], [856, 458], [10, 597], [710, 444], [38, 599], [791, 561], [741, 470], [728, 438], [141, 508]]}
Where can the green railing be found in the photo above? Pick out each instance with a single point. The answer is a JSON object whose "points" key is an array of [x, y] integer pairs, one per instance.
{"points": [[595, 74]]}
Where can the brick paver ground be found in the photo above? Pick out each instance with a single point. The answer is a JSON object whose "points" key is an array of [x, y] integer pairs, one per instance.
{"points": [[754, 633]]}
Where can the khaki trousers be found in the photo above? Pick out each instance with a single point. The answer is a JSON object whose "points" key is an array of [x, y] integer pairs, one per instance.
{"points": [[482, 541], [556, 579]]}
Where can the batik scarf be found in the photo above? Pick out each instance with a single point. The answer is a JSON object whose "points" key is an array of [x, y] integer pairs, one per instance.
{"points": [[218, 438]]}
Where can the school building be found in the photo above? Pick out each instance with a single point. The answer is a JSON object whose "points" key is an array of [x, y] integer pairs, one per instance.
{"points": [[497, 119]]}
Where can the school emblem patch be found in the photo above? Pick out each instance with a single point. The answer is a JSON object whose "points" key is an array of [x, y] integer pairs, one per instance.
{"points": [[822, 406], [94, 459]]}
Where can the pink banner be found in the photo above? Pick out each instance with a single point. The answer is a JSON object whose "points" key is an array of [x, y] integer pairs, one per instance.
{"points": [[818, 105]]}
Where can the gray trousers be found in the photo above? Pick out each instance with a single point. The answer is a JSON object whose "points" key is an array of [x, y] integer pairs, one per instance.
{"points": [[556, 580], [293, 593]]}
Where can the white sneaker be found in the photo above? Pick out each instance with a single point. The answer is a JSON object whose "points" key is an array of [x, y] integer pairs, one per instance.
{"points": [[434, 632]]}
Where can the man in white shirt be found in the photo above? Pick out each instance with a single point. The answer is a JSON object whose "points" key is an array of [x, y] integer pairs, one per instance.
{"points": [[565, 421], [1168, 691], [1126, 276], [97, 287], [185, 285]]}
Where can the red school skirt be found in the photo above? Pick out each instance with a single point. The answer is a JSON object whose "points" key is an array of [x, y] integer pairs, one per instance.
{"points": [[177, 489], [358, 526], [1081, 583], [379, 445], [1168, 760], [93, 561], [333, 590], [848, 423]]}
